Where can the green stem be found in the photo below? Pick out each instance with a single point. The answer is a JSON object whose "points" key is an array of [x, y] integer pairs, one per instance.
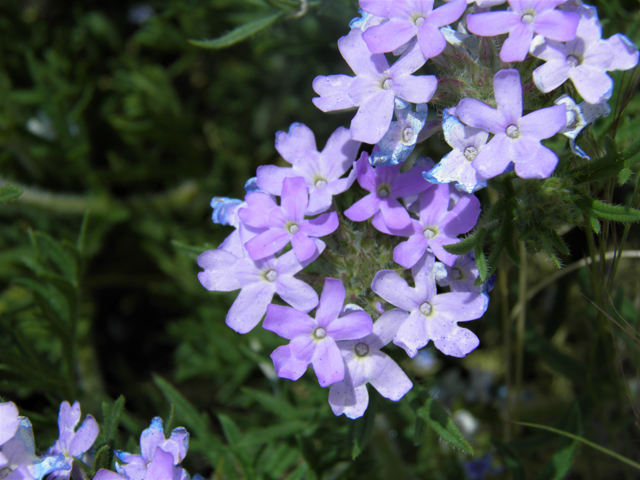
{"points": [[604, 450], [520, 326]]}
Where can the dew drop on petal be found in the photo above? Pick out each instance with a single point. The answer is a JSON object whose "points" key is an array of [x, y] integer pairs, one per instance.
{"points": [[527, 18], [407, 134], [271, 275], [362, 349], [320, 333], [513, 131], [426, 309], [470, 153]]}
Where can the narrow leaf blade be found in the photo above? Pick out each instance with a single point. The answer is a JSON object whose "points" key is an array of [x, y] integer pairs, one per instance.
{"points": [[239, 34]]}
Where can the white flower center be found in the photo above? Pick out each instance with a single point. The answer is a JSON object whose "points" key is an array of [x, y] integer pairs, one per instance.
{"points": [[456, 274], [407, 134], [271, 275], [387, 84], [321, 183], [527, 18], [419, 21], [470, 153], [513, 131], [362, 349], [383, 191], [426, 309], [430, 232], [293, 228], [573, 61], [319, 333]]}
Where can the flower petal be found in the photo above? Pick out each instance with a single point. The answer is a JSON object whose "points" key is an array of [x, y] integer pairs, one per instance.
{"points": [[249, 307], [291, 145], [476, 114], [327, 362], [286, 365], [347, 399], [394, 289], [331, 302], [296, 293], [288, 322], [85, 436], [363, 208], [350, 327], [390, 380], [389, 35], [412, 334], [458, 344], [373, 118], [333, 91]]}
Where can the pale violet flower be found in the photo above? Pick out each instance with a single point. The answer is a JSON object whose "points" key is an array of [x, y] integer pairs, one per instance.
{"points": [[73, 443], [456, 166], [258, 282], [516, 137], [585, 60], [313, 340], [374, 87], [432, 316], [365, 363], [322, 171]]}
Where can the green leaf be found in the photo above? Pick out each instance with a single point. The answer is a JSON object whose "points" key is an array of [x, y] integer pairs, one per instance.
{"points": [[543, 349], [61, 257], [483, 269], [420, 429], [195, 422], [617, 213], [465, 245], [9, 193], [230, 429], [624, 175], [189, 250], [511, 459], [559, 464], [362, 428], [578, 438], [168, 425], [111, 415], [238, 34], [102, 459], [268, 434], [437, 418]]}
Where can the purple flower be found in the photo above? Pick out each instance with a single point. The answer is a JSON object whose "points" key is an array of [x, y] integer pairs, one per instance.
{"points": [[386, 185], [161, 467], [431, 316], [438, 226], [259, 281], [524, 18], [9, 421], [135, 467], [407, 19], [400, 140], [225, 210], [18, 460], [516, 138], [72, 443], [584, 60], [313, 341], [374, 87], [365, 363], [456, 166], [285, 223], [320, 170]]}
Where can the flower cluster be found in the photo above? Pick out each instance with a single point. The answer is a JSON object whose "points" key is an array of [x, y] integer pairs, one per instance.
{"points": [[416, 207], [18, 459], [70, 457]]}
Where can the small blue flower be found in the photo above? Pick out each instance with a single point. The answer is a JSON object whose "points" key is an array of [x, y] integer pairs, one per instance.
{"points": [[400, 140]]}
